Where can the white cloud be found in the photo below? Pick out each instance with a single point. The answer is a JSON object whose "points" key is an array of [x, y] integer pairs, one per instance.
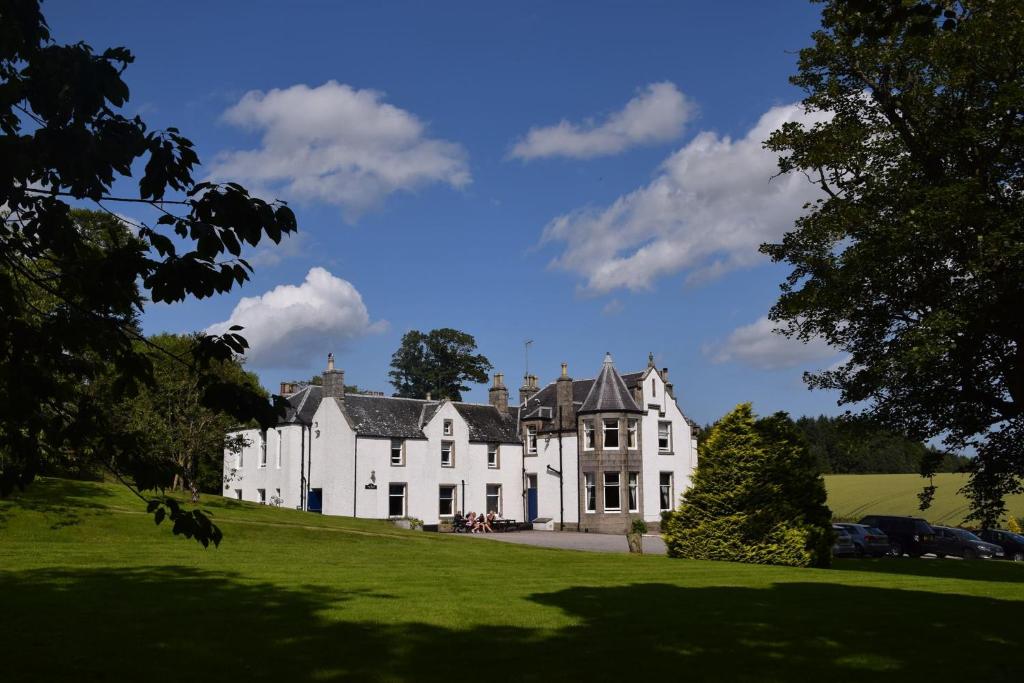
{"points": [[711, 205], [290, 324], [759, 346], [656, 114], [337, 145]]}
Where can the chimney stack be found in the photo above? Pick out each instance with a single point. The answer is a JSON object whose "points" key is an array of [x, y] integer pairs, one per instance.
{"points": [[563, 398], [669, 389], [497, 395], [334, 381], [528, 389]]}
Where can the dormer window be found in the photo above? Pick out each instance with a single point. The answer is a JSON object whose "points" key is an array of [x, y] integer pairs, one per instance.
{"points": [[611, 434], [531, 439], [448, 428]]}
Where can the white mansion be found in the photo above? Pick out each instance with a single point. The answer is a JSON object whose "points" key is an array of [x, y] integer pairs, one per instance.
{"points": [[586, 454]]}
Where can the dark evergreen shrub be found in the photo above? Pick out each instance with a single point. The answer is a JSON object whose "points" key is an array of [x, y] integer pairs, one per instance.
{"points": [[756, 497]]}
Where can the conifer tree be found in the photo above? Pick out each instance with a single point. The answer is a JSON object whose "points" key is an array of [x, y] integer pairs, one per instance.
{"points": [[756, 497]]}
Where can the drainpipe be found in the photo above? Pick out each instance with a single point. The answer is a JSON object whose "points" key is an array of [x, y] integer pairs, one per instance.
{"points": [[355, 470], [561, 479], [580, 493], [464, 510], [523, 460], [302, 468]]}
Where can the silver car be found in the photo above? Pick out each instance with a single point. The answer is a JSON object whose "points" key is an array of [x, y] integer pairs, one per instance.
{"points": [[867, 540]]}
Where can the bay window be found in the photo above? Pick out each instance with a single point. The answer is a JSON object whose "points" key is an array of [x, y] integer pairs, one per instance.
{"points": [[612, 496], [590, 492], [611, 434]]}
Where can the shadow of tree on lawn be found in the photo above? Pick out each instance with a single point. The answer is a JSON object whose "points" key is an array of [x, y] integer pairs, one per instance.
{"points": [[172, 623], [67, 501]]}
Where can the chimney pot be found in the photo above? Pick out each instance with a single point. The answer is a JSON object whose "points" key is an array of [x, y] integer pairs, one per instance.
{"points": [[565, 369]]}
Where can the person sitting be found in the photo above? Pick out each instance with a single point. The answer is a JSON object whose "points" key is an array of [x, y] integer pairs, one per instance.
{"points": [[458, 522], [485, 522], [491, 517], [471, 522]]}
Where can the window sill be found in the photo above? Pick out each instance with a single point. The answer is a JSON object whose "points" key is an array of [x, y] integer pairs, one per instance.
{"points": [[448, 467], [617, 511], [666, 453]]}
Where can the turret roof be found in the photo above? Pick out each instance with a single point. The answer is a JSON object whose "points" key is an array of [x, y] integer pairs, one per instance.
{"points": [[609, 393]]}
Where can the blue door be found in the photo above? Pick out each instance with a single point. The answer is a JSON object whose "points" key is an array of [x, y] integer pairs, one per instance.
{"points": [[314, 502], [531, 504]]}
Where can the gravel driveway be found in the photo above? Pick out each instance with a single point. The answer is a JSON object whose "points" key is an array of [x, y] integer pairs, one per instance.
{"points": [[572, 540]]}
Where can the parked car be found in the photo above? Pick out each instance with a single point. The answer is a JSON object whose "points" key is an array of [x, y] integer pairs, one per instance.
{"points": [[907, 535], [843, 546], [1011, 543], [953, 542], [867, 541]]}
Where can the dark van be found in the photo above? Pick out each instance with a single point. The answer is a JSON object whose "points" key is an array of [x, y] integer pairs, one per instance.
{"points": [[907, 535]]}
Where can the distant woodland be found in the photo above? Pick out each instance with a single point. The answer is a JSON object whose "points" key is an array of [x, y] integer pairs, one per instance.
{"points": [[855, 446], [859, 447]]}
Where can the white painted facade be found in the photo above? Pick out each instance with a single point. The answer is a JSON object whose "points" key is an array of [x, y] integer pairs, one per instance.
{"points": [[355, 475]]}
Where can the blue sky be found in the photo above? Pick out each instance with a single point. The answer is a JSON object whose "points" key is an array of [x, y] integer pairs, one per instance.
{"points": [[400, 133]]}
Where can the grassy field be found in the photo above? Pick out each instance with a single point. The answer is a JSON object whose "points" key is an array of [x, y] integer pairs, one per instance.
{"points": [[851, 496], [90, 590]]}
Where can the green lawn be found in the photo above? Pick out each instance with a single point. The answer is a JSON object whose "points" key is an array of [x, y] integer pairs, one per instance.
{"points": [[851, 496], [90, 590]]}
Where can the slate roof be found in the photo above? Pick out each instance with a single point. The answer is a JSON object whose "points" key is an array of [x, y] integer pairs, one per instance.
{"points": [[487, 424], [547, 396], [404, 418], [302, 405], [398, 418], [609, 393]]}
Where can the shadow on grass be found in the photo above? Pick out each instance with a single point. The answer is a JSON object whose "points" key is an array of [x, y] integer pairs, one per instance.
{"points": [[179, 624], [68, 500], [967, 570]]}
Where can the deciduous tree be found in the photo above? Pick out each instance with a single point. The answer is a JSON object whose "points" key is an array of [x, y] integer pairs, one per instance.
{"points": [[913, 259], [171, 419], [439, 363], [65, 141]]}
